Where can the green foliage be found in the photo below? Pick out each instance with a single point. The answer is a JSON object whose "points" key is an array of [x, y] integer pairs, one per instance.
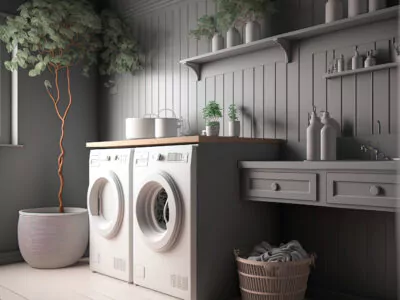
{"points": [[228, 12], [212, 112], [120, 53], [233, 112], [206, 26], [51, 33]]}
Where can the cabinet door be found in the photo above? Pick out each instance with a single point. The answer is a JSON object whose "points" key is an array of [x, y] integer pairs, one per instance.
{"points": [[279, 185], [375, 190]]}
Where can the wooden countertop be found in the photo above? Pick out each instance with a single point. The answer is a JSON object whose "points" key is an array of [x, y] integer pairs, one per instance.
{"points": [[179, 141]]}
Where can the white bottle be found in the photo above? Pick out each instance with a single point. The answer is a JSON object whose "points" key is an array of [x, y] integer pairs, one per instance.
{"points": [[340, 63], [333, 10], [356, 60], [314, 137], [328, 142], [327, 119], [376, 5], [357, 7]]}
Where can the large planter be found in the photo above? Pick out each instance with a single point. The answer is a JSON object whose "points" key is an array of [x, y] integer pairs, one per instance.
{"points": [[234, 128], [217, 42], [232, 37], [212, 130], [253, 31], [49, 240]]}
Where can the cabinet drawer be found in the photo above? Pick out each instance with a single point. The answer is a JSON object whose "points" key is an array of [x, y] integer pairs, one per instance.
{"points": [[276, 185], [378, 190]]}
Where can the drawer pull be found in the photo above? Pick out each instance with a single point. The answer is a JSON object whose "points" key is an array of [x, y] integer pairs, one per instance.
{"points": [[274, 186], [375, 190]]}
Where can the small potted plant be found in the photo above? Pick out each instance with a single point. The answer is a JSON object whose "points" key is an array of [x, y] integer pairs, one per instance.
{"points": [[234, 123], [228, 12], [208, 27], [212, 112]]}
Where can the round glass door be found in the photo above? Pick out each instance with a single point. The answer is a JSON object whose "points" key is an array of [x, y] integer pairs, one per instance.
{"points": [[106, 204], [159, 211]]}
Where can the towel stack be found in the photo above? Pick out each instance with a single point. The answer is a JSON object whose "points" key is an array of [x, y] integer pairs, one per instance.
{"points": [[292, 251]]}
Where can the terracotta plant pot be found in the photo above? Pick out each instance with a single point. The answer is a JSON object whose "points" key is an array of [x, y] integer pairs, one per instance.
{"points": [[48, 239]]}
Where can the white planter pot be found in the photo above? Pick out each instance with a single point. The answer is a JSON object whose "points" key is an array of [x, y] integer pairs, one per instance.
{"points": [[375, 5], [139, 128], [234, 128], [212, 130], [266, 26], [48, 239], [217, 42], [232, 37], [333, 10], [357, 7], [253, 31]]}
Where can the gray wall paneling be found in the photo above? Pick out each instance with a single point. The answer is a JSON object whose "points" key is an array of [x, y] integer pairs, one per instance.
{"points": [[276, 99]]}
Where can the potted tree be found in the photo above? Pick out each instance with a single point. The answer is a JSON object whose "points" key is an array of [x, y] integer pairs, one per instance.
{"points": [[53, 37], [208, 27], [212, 112], [234, 123]]}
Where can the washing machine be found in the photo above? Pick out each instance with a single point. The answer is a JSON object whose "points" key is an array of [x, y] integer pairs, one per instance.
{"points": [[188, 218], [109, 204]]}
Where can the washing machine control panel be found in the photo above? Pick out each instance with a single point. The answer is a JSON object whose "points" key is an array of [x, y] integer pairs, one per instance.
{"points": [[96, 160]]}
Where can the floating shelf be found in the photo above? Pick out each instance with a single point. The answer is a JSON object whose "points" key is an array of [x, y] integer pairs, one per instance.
{"points": [[285, 40], [362, 70]]}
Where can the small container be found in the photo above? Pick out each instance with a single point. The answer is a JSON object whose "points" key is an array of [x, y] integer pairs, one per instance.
{"points": [[314, 137], [357, 7], [328, 138], [333, 10], [217, 42], [375, 5], [340, 64], [356, 60]]}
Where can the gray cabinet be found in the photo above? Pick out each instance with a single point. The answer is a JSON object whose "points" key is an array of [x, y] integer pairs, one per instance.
{"points": [[356, 185]]}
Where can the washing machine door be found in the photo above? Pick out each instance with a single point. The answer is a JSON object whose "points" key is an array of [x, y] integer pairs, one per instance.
{"points": [[158, 209], [106, 204]]}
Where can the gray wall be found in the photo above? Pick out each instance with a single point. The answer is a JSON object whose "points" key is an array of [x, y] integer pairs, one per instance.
{"points": [[28, 175]]}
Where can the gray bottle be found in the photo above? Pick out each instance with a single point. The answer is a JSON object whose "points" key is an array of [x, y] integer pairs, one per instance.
{"points": [[328, 138], [314, 137]]}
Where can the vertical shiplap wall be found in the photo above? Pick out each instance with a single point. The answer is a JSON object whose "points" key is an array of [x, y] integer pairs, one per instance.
{"points": [[275, 97]]}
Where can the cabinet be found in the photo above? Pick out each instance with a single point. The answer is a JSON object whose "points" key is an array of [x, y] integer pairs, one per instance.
{"points": [[357, 185]]}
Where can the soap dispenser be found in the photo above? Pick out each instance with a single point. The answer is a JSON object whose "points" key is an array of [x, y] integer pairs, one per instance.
{"points": [[328, 138], [356, 60], [314, 137]]}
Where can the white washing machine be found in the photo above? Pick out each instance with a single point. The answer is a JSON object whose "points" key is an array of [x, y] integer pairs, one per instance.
{"points": [[188, 218], [110, 212]]}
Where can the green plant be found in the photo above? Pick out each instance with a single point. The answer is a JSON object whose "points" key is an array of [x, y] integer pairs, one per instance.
{"points": [[212, 112], [228, 12], [58, 35], [120, 53], [206, 26], [233, 112]]}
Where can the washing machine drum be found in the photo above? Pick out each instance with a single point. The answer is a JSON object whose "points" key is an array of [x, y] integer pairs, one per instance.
{"points": [[159, 211], [106, 204]]}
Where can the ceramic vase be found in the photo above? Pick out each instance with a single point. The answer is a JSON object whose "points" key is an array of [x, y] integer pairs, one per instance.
{"points": [[333, 10], [232, 37], [356, 7], [375, 5], [234, 128], [266, 25], [253, 31], [217, 42], [212, 130]]}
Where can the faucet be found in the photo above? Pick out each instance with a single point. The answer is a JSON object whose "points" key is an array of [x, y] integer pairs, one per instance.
{"points": [[378, 155]]}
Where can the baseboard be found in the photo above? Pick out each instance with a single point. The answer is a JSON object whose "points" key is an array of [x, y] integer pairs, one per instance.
{"points": [[320, 294], [10, 257]]}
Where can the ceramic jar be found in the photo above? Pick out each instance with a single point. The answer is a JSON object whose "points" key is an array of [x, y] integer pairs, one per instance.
{"points": [[217, 42], [232, 37], [253, 31], [234, 128], [356, 7], [375, 5], [333, 10]]}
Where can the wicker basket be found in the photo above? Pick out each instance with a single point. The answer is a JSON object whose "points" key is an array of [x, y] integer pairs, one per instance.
{"points": [[273, 280]]}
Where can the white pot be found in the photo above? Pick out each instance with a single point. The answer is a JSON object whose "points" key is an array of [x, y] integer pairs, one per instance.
{"points": [[375, 5], [212, 130], [48, 239], [357, 7], [234, 128], [253, 31], [217, 42], [139, 128], [232, 37], [167, 127], [333, 10], [266, 25]]}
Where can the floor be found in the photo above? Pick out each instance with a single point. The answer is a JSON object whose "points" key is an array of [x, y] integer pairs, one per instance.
{"points": [[21, 282]]}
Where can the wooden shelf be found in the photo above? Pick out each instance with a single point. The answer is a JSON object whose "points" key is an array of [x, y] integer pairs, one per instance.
{"points": [[285, 40], [178, 141], [361, 70]]}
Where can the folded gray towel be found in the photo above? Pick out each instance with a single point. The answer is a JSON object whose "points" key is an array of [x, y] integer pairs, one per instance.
{"points": [[292, 251]]}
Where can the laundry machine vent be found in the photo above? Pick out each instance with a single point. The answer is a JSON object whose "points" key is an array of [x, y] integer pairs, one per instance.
{"points": [[119, 264]]}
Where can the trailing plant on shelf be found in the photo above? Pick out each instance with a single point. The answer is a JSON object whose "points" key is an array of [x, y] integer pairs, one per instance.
{"points": [[58, 36], [209, 27], [234, 123], [212, 113]]}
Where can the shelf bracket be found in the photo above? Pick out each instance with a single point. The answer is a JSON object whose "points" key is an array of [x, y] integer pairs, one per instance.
{"points": [[196, 68], [285, 45]]}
